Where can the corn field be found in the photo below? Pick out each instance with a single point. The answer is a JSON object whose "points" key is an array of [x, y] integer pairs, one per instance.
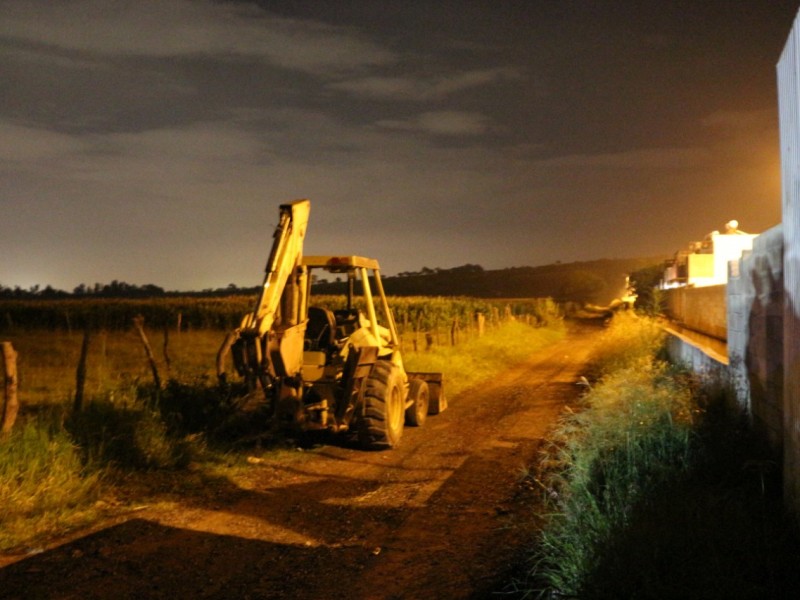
{"points": [[186, 333], [413, 313]]}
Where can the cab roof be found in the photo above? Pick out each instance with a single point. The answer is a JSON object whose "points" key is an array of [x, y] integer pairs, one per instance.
{"points": [[340, 263]]}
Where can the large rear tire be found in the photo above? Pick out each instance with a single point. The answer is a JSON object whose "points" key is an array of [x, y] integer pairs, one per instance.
{"points": [[381, 424], [419, 396]]}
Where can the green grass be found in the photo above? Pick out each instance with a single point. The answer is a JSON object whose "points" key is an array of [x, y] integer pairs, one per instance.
{"points": [[633, 436], [656, 492], [480, 359], [45, 484], [629, 342], [716, 531], [56, 466], [128, 437]]}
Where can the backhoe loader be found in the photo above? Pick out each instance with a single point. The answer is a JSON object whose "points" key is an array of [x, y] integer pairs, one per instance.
{"points": [[319, 369]]}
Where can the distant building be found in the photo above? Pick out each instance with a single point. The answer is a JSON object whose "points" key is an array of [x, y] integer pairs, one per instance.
{"points": [[706, 263]]}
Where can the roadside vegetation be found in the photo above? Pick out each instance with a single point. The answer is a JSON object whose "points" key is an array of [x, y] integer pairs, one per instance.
{"points": [[45, 483], [656, 490], [480, 359], [132, 442]]}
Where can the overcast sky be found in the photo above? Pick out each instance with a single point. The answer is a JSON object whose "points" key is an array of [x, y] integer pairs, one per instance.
{"points": [[151, 141]]}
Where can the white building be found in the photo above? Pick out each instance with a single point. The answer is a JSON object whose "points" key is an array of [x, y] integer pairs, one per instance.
{"points": [[706, 263]]}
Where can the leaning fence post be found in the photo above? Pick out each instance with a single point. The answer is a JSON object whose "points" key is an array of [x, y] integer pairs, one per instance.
{"points": [[138, 322], [10, 400]]}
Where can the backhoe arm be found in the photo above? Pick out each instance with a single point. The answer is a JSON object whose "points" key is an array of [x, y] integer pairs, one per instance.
{"points": [[249, 340], [285, 256]]}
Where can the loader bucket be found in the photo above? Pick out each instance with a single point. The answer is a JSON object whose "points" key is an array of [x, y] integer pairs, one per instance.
{"points": [[437, 401]]}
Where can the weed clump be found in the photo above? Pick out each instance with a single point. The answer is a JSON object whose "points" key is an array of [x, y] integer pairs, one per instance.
{"points": [[630, 342], [633, 436], [44, 482], [129, 437]]}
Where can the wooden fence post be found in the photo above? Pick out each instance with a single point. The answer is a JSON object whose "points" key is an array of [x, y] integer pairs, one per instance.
{"points": [[480, 323], [454, 331], [80, 373], [167, 361], [404, 335], [138, 322], [428, 340], [10, 401]]}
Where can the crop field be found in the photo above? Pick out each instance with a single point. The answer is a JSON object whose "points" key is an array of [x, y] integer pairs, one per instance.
{"points": [[185, 334], [224, 313], [116, 364]]}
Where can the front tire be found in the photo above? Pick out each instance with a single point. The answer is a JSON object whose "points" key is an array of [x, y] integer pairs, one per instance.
{"points": [[381, 424]]}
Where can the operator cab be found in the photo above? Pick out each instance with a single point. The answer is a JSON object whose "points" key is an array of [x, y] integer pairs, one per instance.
{"points": [[331, 334]]}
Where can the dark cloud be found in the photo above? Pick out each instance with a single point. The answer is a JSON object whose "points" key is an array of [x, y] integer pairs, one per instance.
{"points": [[152, 141]]}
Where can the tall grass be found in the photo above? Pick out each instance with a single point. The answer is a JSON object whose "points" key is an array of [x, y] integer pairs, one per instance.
{"points": [[630, 341], [45, 484], [655, 492], [632, 435], [56, 464], [130, 437]]}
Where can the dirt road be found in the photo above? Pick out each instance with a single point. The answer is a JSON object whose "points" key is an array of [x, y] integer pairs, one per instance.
{"points": [[443, 516]]}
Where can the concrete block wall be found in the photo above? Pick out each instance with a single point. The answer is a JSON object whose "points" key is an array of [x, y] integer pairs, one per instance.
{"points": [[789, 121], [763, 300], [695, 355], [755, 334], [739, 301], [700, 309]]}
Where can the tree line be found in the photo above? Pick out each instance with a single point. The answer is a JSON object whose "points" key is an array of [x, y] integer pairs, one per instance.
{"points": [[115, 289], [121, 289], [468, 268]]}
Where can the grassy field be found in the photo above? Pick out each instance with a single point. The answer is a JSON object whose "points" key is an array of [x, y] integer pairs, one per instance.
{"points": [[116, 365], [61, 469]]}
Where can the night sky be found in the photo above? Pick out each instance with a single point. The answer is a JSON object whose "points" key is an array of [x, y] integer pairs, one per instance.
{"points": [[151, 141]]}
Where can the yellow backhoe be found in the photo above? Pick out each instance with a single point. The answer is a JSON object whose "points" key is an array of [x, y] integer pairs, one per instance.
{"points": [[320, 369]]}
